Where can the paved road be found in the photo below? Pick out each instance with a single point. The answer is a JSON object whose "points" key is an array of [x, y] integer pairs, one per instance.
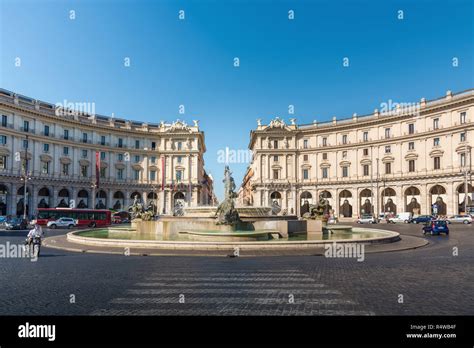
{"points": [[431, 281]]}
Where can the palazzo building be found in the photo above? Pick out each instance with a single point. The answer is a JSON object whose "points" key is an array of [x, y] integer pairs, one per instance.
{"points": [[76, 159], [405, 158]]}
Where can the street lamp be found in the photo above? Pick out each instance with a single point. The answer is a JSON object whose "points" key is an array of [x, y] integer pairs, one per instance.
{"points": [[93, 186], [25, 178]]}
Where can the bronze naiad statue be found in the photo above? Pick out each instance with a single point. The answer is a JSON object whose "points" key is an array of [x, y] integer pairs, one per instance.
{"points": [[318, 211], [226, 213], [137, 210]]}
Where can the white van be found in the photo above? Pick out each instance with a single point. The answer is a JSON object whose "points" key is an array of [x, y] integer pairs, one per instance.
{"points": [[402, 217]]}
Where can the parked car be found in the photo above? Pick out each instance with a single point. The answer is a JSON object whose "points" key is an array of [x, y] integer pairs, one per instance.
{"points": [[62, 222], [436, 227], [116, 219], [422, 219], [460, 219], [366, 219], [385, 216], [402, 217], [16, 224]]}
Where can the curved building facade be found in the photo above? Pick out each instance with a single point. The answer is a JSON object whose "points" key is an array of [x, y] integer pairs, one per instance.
{"points": [[79, 159], [405, 158]]}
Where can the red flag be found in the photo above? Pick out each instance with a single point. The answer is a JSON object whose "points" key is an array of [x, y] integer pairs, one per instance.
{"points": [[97, 168], [162, 173]]}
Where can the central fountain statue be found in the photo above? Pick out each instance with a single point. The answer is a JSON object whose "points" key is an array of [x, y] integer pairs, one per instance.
{"points": [[226, 213]]}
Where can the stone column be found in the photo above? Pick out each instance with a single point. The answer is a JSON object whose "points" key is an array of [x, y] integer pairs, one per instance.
{"points": [[355, 204], [110, 198], [53, 191], [32, 199]]}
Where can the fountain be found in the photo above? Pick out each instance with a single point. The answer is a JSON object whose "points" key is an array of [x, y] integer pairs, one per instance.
{"points": [[227, 226]]}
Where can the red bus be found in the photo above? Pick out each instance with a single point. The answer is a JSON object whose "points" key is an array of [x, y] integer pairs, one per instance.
{"points": [[83, 217]]}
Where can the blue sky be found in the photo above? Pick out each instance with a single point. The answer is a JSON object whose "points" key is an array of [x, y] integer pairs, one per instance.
{"points": [[190, 62]]}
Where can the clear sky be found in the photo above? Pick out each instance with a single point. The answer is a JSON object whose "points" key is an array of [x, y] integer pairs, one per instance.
{"points": [[191, 61]]}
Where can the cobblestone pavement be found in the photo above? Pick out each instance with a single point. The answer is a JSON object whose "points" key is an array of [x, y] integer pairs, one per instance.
{"points": [[430, 279]]}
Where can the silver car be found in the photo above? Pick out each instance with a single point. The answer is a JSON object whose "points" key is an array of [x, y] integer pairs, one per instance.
{"points": [[460, 219], [62, 222]]}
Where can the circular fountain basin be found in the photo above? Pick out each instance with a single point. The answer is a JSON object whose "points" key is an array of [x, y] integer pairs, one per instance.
{"points": [[131, 239]]}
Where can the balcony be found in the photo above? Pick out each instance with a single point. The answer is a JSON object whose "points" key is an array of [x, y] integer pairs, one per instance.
{"points": [[27, 130], [8, 125], [47, 134], [121, 146]]}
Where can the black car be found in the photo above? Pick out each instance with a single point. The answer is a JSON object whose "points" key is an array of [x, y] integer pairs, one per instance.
{"points": [[422, 219], [16, 224]]}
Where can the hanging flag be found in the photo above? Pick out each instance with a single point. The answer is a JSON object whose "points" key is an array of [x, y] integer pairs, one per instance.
{"points": [[97, 168]]}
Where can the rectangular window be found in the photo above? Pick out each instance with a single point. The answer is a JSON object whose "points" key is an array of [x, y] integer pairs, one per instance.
{"points": [[26, 126], [275, 144], [120, 174], [84, 137], [305, 158], [275, 158], [102, 172], [345, 172], [3, 162], [411, 145], [462, 158], [437, 162], [45, 147], [120, 157], [305, 174], [387, 133], [462, 137], [388, 168], [25, 144], [344, 154], [411, 166], [366, 169], [84, 171], [435, 123], [65, 169], [65, 150], [153, 145], [411, 128], [66, 134], [46, 131], [3, 139], [179, 159], [152, 175], [325, 173], [153, 159], [179, 175], [102, 156], [120, 142], [180, 145], [137, 158], [344, 139], [366, 152], [102, 140], [45, 167], [388, 149], [84, 153], [275, 174], [436, 142], [4, 120], [325, 141], [325, 156], [365, 137], [137, 144], [305, 144], [462, 117]]}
